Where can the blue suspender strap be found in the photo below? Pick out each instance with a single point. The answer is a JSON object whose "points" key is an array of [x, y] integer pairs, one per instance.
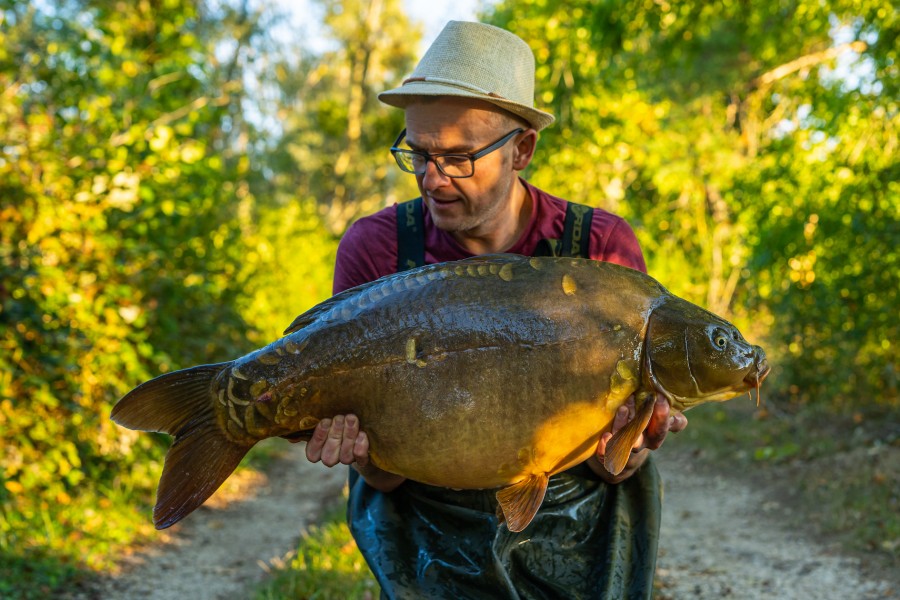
{"points": [[576, 240], [410, 235]]}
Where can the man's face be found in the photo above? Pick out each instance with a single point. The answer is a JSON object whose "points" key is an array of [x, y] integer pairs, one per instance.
{"points": [[472, 206]]}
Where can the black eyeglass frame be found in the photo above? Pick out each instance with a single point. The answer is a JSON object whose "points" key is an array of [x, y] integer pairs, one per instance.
{"points": [[472, 156]]}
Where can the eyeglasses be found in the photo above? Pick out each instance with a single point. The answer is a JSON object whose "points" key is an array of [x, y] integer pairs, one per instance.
{"points": [[457, 165]]}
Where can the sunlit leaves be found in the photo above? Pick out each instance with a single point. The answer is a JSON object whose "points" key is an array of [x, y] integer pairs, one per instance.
{"points": [[752, 147], [110, 190]]}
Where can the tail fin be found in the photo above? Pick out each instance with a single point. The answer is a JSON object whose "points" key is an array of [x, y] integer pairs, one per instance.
{"points": [[202, 457]]}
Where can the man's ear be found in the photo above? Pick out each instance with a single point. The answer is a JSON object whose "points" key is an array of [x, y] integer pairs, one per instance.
{"points": [[523, 151]]}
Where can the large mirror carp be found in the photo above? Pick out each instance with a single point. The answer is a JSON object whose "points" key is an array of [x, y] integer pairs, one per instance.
{"points": [[492, 372]]}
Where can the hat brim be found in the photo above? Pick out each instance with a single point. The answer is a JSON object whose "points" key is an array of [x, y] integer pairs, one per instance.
{"points": [[403, 96]]}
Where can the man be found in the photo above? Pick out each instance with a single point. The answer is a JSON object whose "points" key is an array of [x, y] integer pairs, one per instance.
{"points": [[471, 127]]}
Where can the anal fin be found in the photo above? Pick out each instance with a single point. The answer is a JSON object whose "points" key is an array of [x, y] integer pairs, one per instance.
{"points": [[618, 449], [521, 501]]}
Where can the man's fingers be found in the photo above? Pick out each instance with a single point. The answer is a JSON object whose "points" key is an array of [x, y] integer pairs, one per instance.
{"points": [[338, 440], [361, 449], [331, 451], [658, 425], [677, 422], [622, 417], [601, 447], [348, 442], [317, 441]]}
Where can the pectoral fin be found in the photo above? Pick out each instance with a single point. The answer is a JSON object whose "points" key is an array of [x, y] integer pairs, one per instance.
{"points": [[618, 449], [521, 501]]}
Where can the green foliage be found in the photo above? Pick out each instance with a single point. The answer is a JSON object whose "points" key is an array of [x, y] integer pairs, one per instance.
{"points": [[327, 565], [752, 147], [122, 176]]}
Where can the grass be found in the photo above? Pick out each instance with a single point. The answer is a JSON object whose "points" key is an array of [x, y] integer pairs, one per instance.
{"points": [[34, 577], [326, 566]]}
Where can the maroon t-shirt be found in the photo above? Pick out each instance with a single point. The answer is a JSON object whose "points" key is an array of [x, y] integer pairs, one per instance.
{"points": [[369, 248]]}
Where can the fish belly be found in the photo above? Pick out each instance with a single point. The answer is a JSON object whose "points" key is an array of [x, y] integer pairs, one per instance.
{"points": [[484, 418]]}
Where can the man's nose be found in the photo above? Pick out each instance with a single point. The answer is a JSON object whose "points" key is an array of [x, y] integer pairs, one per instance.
{"points": [[433, 178]]}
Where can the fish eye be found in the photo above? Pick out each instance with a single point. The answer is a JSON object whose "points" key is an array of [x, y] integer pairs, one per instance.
{"points": [[721, 341]]}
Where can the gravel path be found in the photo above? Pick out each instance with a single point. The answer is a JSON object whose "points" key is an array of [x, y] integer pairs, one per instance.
{"points": [[720, 539], [225, 548]]}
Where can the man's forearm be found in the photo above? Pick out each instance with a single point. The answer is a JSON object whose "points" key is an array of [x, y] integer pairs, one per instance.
{"points": [[379, 479]]}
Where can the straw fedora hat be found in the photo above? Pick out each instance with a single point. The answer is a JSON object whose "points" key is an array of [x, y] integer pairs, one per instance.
{"points": [[475, 60]]}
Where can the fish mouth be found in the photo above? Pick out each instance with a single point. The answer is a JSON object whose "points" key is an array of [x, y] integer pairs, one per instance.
{"points": [[759, 372], [753, 379]]}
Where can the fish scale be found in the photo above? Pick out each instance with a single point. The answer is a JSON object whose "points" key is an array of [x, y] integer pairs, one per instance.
{"points": [[491, 372]]}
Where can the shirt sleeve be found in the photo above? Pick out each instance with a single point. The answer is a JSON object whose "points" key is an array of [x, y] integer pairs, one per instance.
{"points": [[620, 245], [367, 251]]}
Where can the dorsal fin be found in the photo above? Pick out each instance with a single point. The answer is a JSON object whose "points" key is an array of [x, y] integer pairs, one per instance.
{"points": [[325, 306], [422, 274], [521, 501]]}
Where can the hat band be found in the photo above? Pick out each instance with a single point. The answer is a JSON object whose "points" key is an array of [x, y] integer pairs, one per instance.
{"points": [[452, 82]]}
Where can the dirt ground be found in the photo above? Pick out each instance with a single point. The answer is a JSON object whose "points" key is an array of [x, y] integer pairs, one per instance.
{"points": [[225, 548], [725, 535], [721, 538]]}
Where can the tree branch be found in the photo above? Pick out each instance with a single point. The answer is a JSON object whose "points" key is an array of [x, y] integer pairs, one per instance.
{"points": [[804, 62]]}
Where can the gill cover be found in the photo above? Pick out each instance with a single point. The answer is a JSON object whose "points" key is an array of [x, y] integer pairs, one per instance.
{"points": [[695, 356]]}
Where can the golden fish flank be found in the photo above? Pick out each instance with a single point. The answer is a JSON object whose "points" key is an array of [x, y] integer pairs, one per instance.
{"points": [[527, 360], [525, 457]]}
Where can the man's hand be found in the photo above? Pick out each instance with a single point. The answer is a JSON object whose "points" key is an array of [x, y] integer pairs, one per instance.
{"points": [[340, 441], [661, 422]]}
